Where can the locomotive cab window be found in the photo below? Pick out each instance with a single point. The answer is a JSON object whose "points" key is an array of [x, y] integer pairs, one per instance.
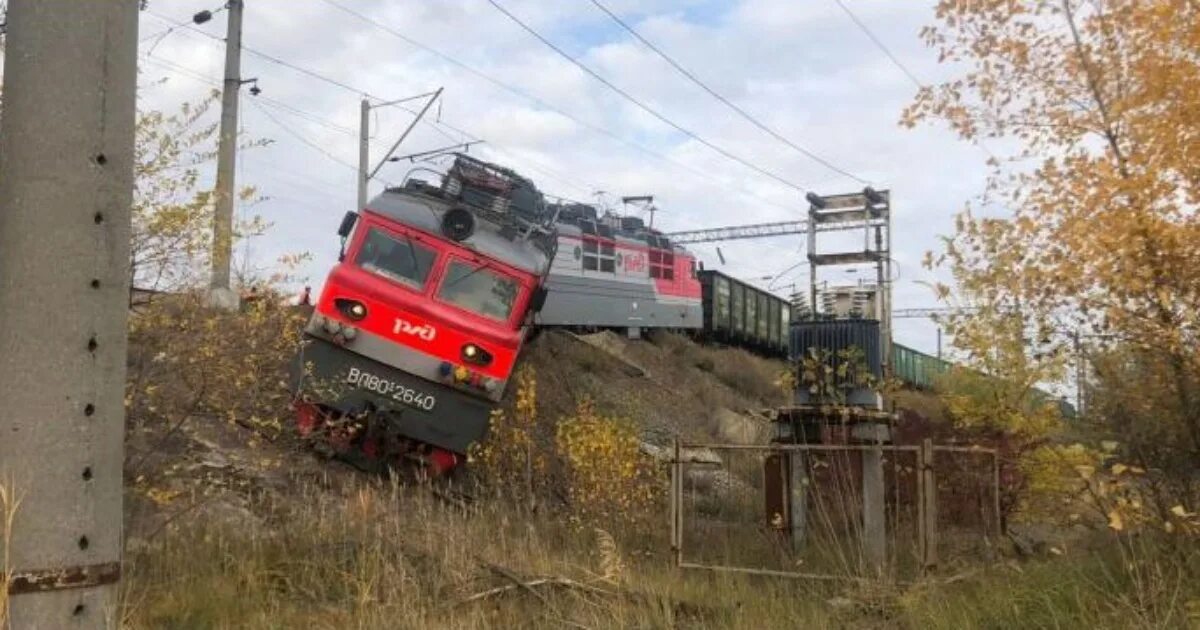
{"points": [[396, 258], [479, 289]]}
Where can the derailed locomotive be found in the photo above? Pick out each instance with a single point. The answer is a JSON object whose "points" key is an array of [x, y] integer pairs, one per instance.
{"points": [[414, 337]]}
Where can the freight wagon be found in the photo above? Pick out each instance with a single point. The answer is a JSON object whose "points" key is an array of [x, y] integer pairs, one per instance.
{"points": [[916, 369], [742, 315]]}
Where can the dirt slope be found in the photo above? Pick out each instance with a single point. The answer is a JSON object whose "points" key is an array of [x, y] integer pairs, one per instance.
{"points": [[202, 467]]}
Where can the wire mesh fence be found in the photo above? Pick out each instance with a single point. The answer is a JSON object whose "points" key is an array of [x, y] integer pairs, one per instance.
{"points": [[829, 511]]}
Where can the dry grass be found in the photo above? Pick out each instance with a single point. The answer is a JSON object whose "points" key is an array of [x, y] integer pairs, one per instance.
{"points": [[384, 556], [10, 502], [336, 550], [377, 555]]}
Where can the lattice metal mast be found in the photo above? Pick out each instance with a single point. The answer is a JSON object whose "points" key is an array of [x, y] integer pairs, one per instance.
{"points": [[758, 230]]}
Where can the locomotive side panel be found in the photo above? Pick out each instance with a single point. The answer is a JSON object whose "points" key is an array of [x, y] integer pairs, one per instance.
{"points": [[615, 281]]}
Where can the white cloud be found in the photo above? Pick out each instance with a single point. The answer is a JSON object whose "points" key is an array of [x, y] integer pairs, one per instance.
{"points": [[802, 68]]}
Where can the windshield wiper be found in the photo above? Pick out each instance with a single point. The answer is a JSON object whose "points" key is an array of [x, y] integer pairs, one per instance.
{"points": [[412, 254], [486, 265]]}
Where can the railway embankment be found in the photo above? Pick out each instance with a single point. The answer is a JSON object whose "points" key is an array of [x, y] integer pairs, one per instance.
{"points": [[233, 522]]}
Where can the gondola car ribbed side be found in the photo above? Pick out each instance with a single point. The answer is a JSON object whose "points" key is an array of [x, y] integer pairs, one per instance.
{"points": [[915, 368], [742, 315]]}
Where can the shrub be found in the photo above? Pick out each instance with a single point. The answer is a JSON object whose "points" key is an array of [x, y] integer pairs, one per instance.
{"points": [[609, 479], [188, 360], [513, 460]]}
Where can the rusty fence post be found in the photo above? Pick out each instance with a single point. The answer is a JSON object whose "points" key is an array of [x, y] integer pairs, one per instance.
{"points": [[927, 510], [677, 504]]}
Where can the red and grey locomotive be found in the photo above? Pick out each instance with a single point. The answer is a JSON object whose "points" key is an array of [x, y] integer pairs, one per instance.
{"points": [[613, 271], [414, 337]]}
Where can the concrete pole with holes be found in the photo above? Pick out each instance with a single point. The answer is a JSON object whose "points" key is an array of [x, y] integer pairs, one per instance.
{"points": [[221, 294], [66, 181]]}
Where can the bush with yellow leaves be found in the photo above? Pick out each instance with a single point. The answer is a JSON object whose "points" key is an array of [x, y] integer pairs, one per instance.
{"points": [[609, 478], [189, 361], [590, 461], [513, 460]]}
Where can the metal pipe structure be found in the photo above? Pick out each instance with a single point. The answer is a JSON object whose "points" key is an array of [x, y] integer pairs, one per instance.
{"points": [[756, 230], [364, 139], [66, 183]]}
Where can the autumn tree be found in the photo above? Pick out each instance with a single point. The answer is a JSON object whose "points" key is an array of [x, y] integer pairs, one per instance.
{"points": [[1098, 231], [173, 198]]}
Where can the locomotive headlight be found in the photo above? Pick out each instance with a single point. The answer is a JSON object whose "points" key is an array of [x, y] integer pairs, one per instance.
{"points": [[472, 353], [353, 309]]}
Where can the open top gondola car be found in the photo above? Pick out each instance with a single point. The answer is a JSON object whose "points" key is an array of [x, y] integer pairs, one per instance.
{"points": [[418, 326]]}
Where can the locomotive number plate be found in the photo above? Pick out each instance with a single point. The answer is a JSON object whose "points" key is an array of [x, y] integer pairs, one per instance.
{"points": [[390, 389]]}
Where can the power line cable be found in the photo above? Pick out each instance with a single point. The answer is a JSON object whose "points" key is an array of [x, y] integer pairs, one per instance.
{"points": [[706, 177], [896, 62], [342, 85], [310, 143], [717, 95], [465, 136], [200, 77], [276, 60], [271, 102], [160, 35], [646, 108], [879, 43], [700, 175], [439, 126]]}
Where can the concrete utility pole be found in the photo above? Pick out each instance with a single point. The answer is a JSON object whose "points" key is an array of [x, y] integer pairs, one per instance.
{"points": [[220, 293], [364, 152], [66, 181]]}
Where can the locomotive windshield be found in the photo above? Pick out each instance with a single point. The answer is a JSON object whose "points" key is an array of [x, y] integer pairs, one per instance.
{"points": [[479, 290], [399, 259]]}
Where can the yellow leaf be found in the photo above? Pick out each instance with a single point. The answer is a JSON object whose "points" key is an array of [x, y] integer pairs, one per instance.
{"points": [[1179, 511], [1117, 469], [1115, 522], [1109, 445], [1085, 471]]}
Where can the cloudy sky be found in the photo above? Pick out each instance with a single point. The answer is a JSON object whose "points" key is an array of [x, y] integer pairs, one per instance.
{"points": [[801, 67]]}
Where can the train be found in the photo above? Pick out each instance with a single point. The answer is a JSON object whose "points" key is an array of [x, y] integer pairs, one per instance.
{"points": [[414, 337], [416, 331]]}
